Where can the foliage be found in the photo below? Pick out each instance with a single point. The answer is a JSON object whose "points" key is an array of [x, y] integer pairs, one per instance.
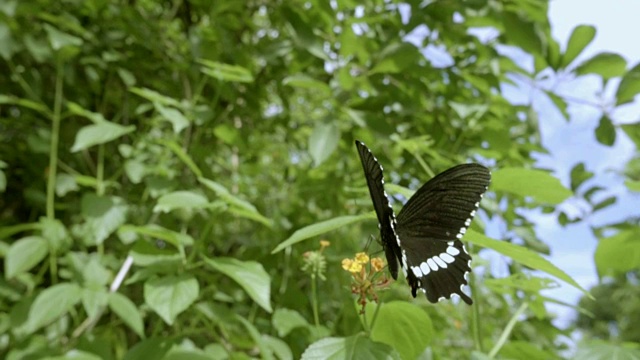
{"points": [[162, 164]]}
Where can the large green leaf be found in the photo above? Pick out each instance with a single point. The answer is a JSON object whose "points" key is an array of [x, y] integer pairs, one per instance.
{"points": [[250, 275], [100, 133], [403, 326], [226, 72], [606, 132], [356, 347], [537, 184], [24, 254], [285, 320], [581, 36], [629, 86], [171, 295], [323, 142], [238, 206], [522, 255], [604, 350], [318, 229], [51, 304], [618, 254], [180, 200], [127, 312], [607, 65]]}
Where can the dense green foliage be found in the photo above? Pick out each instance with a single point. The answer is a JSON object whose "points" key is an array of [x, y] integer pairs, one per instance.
{"points": [[167, 169]]}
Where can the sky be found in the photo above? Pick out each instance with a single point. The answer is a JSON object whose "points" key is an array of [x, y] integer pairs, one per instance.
{"points": [[572, 142]]}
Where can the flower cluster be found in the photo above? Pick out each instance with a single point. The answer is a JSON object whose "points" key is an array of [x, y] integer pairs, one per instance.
{"points": [[368, 277], [314, 262]]}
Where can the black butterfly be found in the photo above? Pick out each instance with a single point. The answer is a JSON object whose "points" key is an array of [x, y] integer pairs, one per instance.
{"points": [[425, 237]]}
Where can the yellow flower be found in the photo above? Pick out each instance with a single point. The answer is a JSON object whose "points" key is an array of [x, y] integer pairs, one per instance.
{"points": [[346, 264], [355, 267], [362, 258], [377, 264], [324, 244]]}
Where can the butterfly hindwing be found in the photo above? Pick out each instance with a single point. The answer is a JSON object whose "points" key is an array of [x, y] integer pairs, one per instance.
{"points": [[430, 226], [384, 211]]}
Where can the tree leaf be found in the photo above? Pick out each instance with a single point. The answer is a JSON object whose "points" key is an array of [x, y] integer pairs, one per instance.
{"points": [[174, 116], [51, 304], [24, 254], [323, 142], [127, 312], [618, 254], [101, 133], [356, 347], [403, 326], [171, 295], [152, 348], [285, 320], [629, 86], [320, 228], [226, 72], [607, 65], [103, 216], [633, 132], [603, 350], [180, 200], [606, 132], [522, 255], [537, 184], [246, 208], [250, 275], [581, 36]]}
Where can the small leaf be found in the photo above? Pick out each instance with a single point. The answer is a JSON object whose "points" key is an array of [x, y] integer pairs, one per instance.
{"points": [[356, 347], [629, 86], [94, 300], [581, 36], [606, 132], [607, 65], [174, 116], [152, 348], [633, 132], [318, 229], [171, 295], [247, 209], [101, 133], [250, 275], [127, 312], [522, 32], [605, 203], [579, 175], [285, 320], [59, 39], [103, 216], [522, 255], [633, 185], [257, 338], [618, 254], [24, 254], [306, 82], [155, 231], [51, 304], [323, 142], [180, 200], [226, 72], [403, 326], [538, 184]]}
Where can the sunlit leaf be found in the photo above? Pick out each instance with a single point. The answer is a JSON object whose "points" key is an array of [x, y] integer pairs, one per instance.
{"points": [[101, 133], [323, 142], [357, 347], [24, 254], [619, 253], [52, 303], [607, 65], [606, 132], [537, 184], [171, 295], [581, 36], [127, 312]]}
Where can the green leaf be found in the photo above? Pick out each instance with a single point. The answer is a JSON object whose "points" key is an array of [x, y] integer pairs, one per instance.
{"points": [[307, 82], [605, 203], [250, 275], [522, 33], [605, 350], [285, 320], [537, 184], [183, 156], [522, 255], [581, 36], [155, 231], [579, 175], [103, 216], [606, 132], [633, 185], [169, 296], [280, 349], [174, 116], [629, 86], [318, 229], [403, 326], [247, 209], [51, 304], [323, 142], [101, 133], [633, 132], [226, 72], [127, 312], [257, 338], [395, 58], [59, 39], [618, 254], [180, 200], [525, 350], [24, 254], [357, 347], [152, 348], [607, 65], [94, 300]]}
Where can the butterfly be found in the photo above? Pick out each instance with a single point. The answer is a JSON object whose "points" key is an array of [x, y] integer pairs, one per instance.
{"points": [[425, 236]]}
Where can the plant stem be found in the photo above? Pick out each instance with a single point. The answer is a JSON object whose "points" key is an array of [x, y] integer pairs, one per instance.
{"points": [[507, 330], [55, 138], [314, 300]]}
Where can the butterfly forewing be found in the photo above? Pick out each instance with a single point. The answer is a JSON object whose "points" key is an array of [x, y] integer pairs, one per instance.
{"points": [[384, 212]]}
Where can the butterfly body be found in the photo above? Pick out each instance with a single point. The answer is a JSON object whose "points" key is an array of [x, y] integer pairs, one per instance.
{"points": [[425, 236]]}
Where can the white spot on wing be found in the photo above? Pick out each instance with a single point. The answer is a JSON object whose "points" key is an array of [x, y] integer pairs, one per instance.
{"points": [[416, 271], [425, 268], [447, 258], [441, 298], [432, 264], [440, 262], [453, 251]]}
